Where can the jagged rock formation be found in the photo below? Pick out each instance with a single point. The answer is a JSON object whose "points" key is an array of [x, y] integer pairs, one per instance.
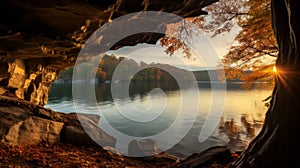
{"points": [[40, 38], [28, 79]]}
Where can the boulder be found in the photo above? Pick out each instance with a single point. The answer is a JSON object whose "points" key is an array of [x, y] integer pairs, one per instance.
{"points": [[23, 123], [146, 147], [20, 124], [93, 117], [11, 115], [49, 114], [32, 131], [77, 134]]}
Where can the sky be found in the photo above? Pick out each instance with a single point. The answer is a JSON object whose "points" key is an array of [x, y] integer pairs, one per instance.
{"points": [[206, 52]]}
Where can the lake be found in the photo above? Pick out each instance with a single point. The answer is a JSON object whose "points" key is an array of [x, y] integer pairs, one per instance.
{"points": [[237, 103]]}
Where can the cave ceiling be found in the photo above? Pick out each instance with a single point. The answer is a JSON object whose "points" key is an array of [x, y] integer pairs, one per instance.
{"points": [[49, 29]]}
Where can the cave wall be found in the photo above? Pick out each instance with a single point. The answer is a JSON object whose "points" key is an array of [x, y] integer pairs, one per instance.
{"points": [[40, 38]]}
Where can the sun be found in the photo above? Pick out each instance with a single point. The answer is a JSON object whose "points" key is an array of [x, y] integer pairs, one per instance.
{"points": [[274, 69]]}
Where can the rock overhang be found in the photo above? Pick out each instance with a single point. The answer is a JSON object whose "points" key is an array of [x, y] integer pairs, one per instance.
{"points": [[39, 38]]}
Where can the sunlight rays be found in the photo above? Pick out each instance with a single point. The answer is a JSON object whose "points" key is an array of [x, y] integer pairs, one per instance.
{"points": [[274, 69]]}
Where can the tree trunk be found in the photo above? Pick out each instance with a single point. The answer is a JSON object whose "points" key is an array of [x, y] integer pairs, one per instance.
{"points": [[277, 145]]}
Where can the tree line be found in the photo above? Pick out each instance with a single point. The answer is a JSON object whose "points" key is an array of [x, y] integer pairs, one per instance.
{"points": [[145, 72]]}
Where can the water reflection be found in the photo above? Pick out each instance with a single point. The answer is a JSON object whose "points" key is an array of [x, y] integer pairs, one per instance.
{"points": [[63, 91], [239, 135], [242, 116]]}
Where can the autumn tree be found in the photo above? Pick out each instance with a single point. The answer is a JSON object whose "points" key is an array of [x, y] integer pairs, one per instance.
{"points": [[100, 74], [255, 46], [146, 72], [277, 144]]}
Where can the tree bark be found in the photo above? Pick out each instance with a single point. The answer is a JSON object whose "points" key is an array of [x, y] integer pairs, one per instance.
{"points": [[277, 145]]}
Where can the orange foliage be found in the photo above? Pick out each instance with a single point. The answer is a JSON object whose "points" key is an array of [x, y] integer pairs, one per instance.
{"points": [[255, 47], [177, 35]]}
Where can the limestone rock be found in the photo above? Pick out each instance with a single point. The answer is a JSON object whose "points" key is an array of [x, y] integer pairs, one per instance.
{"points": [[77, 134], [20, 124], [27, 80], [23, 123], [49, 114], [2, 90], [146, 147], [93, 117], [33, 131]]}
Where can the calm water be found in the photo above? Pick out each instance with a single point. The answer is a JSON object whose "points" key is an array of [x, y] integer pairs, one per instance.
{"points": [[238, 102]]}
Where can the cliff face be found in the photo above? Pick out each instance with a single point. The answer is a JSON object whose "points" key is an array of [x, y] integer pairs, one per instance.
{"points": [[39, 38]]}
